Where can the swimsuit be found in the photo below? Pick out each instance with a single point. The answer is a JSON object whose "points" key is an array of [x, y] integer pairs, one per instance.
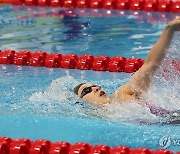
{"points": [[158, 110], [169, 117]]}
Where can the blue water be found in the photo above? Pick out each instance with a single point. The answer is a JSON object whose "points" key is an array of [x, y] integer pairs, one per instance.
{"points": [[39, 103]]}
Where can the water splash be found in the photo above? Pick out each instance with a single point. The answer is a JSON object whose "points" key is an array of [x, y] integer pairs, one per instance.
{"points": [[59, 98], [164, 90]]}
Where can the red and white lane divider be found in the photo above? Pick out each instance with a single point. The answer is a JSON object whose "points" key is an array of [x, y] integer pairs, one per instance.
{"points": [[71, 61], [147, 5], [27, 146]]}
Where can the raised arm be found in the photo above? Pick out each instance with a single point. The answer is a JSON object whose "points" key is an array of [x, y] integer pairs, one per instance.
{"points": [[140, 81], [159, 50]]}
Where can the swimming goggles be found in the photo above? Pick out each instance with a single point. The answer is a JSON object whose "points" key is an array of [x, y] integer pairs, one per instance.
{"points": [[87, 90]]}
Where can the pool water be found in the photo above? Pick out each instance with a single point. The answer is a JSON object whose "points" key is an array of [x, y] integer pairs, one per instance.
{"points": [[38, 102]]}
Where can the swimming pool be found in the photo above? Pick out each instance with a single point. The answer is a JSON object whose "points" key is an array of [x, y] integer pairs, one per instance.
{"points": [[38, 102]]}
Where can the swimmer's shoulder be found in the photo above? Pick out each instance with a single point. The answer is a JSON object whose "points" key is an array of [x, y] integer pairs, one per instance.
{"points": [[122, 94]]}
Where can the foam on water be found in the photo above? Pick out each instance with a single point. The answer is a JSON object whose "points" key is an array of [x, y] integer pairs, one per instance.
{"points": [[59, 98]]}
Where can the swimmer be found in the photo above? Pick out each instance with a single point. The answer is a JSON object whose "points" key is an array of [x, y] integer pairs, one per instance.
{"points": [[141, 79]]}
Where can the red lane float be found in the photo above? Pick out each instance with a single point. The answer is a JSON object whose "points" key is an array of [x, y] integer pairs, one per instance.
{"points": [[71, 61], [85, 62], [53, 60], [147, 5], [7, 57], [27, 146]]}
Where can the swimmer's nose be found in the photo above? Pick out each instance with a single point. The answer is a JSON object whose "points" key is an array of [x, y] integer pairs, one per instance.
{"points": [[96, 89]]}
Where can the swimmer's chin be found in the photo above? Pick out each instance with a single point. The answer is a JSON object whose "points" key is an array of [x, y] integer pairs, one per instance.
{"points": [[101, 100], [106, 101]]}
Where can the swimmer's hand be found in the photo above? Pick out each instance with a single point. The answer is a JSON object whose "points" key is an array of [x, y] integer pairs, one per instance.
{"points": [[174, 25]]}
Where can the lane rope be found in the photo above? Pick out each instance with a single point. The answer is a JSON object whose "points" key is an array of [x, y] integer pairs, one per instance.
{"points": [[71, 61], [146, 5], [27, 146]]}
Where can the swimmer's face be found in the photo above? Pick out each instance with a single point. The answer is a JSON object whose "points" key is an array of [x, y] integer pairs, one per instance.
{"points": [[93, 94]]}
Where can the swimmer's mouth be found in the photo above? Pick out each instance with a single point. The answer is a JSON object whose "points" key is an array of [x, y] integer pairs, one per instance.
{"points": [[102, 93]]}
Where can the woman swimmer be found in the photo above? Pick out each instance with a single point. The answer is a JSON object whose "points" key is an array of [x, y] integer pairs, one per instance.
{"points": [[140, 81]]}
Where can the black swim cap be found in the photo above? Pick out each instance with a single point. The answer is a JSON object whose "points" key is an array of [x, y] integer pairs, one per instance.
{"points": [[77, 88]]}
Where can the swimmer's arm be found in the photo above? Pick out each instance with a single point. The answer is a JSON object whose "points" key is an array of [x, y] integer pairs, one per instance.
{"points": [[140, 81], [159, 50]]}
